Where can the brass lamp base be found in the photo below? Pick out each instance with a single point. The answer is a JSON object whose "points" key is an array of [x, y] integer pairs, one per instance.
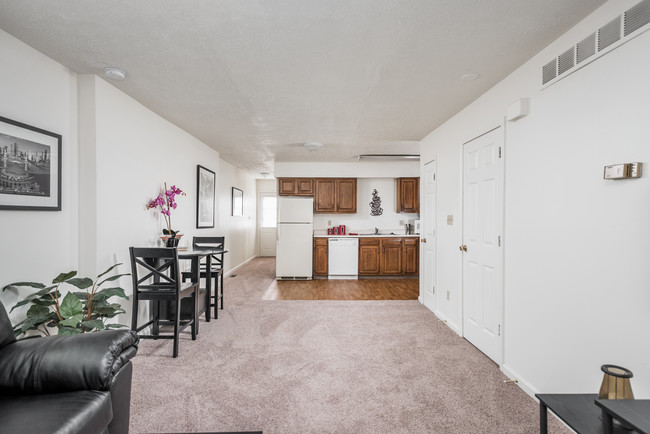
{"points": [[616, 383]]}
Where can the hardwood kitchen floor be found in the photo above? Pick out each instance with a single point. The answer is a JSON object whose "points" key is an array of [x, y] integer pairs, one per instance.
{"points": [[323, 289]]}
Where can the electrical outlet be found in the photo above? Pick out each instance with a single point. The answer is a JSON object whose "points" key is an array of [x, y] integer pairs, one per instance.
{"points": [[447, 295], [401, 222], [329, 223]]}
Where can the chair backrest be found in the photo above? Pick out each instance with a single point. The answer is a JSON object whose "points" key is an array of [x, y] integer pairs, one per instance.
{"points": [[160, 271], [6, 330], [211, 242]]}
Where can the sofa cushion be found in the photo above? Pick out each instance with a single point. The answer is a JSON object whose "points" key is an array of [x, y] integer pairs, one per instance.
{"points": [[87, 411]]}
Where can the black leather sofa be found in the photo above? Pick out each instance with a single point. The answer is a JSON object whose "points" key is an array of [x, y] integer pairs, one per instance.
{"points": [[65, 384]]}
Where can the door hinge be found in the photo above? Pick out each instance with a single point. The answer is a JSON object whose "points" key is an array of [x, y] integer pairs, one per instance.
{"points": [[499, 240], [434, 176], [499, 329], [433, 290], [499, 151]]}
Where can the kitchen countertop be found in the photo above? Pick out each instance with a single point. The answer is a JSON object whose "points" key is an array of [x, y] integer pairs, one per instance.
{"points": [[366, 236]]}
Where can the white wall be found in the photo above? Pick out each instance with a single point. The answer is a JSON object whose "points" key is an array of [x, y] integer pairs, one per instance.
{"points": [[362, 221], [576, 246], [37, 245], [240, 231], [125, 154]]}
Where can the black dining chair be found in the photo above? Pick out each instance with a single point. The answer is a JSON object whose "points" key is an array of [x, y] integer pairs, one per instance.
{"points": [[160, 283], [216, 271]]}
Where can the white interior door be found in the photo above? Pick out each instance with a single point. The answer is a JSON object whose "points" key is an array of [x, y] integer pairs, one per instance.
{"points": [[482, 243], [428, 245], [268, 224]]}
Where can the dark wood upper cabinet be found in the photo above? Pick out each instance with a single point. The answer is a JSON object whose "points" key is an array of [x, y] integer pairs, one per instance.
{"points": [[335, 195], [346, 195], [324, 195], [408, 195], [320, 256], [304, 186], [369, 255], [295, 187], [391, 256]]}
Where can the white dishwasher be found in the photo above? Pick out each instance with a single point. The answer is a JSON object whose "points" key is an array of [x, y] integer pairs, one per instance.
{"points": [[343, 258]]}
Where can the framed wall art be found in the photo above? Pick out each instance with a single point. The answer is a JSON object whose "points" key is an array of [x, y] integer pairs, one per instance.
{"points": [[237, 202], [205, 189], [30, 167]]}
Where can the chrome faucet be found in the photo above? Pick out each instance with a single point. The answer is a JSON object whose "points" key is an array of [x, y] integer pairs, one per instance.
{"points": [[376, 231]]}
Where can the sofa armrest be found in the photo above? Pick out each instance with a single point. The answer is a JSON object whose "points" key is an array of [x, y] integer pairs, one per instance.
{"points": [[86, 361]]}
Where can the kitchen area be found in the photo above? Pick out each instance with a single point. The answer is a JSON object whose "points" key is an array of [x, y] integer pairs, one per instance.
{"points": [[348, 228]]}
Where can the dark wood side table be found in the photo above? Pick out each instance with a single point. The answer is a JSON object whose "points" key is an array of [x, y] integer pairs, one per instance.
{"points": [[633, 412], [584, 413]]}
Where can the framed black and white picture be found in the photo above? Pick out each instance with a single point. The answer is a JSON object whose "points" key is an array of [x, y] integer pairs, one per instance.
{"points": [[205, 186], [30, 167], [237, 202]]}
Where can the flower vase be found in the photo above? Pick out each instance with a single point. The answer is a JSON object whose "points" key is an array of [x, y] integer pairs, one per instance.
{"points": [[171, 241]]}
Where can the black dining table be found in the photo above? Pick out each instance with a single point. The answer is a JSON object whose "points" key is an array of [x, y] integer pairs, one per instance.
{"points": [[195, 255]]}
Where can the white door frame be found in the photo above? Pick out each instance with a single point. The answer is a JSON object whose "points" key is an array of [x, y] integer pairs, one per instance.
{"points": [[501, 355], [430, 300]]}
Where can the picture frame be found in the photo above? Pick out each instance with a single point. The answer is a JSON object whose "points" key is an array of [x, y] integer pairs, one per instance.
{"points": [[205, 197], [237, 202], [30, 167]]}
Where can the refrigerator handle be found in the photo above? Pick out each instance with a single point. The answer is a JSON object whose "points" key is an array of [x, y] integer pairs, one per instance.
{"points": [[277, 233]]}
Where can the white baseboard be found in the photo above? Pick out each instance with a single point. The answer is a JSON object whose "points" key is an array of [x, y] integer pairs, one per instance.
{"points": [[420, 299], [529, 389], [522, 383], [229, 272]]}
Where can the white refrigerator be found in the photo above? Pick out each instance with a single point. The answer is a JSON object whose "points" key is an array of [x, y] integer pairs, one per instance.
{"points": [[295, 238]]}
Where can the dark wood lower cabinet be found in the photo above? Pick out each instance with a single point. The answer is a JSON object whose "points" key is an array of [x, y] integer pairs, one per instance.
{"points": [[411, 262], [391, 256], [388, 256], [320, 256], [369, 254]]}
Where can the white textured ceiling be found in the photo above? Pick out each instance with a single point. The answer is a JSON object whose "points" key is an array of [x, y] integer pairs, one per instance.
{"points": [[255, 79]]}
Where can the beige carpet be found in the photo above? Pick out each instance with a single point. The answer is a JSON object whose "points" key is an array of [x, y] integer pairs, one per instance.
{"points": [[323, 367]]}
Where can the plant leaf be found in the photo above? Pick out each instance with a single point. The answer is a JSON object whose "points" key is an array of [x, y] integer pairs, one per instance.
{"points": [[64, 276], [106, 293], [82, 296], [93, 324], [68, 331], [81, 282], [70, 306], [114, 326], [19, 284], [73, 321], [109, 269], [37, 311], [117, 276]]}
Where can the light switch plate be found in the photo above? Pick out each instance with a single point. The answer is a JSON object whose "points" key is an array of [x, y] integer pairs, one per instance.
{"points": [[616, 171]]}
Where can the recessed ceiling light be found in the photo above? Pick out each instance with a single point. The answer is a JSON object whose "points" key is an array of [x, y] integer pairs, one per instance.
{"points": [[313, 146], [114, 73], [471, 76]]}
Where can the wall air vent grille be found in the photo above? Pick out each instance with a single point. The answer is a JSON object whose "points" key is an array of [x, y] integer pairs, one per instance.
{"points": [[549, 71], [636, 17], [586, 48], [609, 33], [566, 61], [609, 37]]}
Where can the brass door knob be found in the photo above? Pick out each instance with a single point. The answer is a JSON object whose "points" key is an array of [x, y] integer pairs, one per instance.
{"points": [[424, 240], [463, 248]]}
